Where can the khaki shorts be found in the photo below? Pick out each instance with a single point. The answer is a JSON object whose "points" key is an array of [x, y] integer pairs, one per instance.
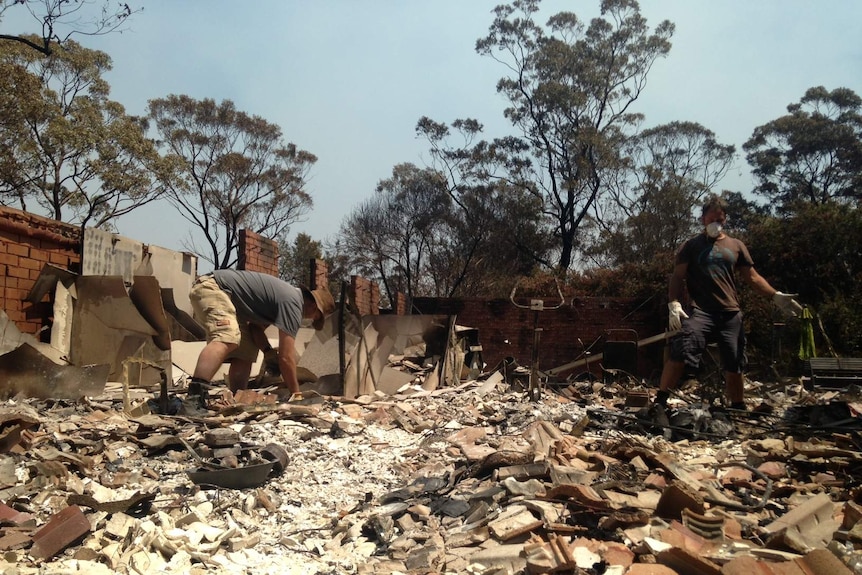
{"points": [[214, 310]]}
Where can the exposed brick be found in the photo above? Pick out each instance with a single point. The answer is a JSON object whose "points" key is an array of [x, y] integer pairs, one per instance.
{"points": [[28, 242], [319, 274], [18, 272], [63, 529], [362, 294], [18, 249], [39, 255], [9, 260], [58, 258], [375, 298], [30, 327], [13, 298], [30, 264], [507, 331], [257, 253]]}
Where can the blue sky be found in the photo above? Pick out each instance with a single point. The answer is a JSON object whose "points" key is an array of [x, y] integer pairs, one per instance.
{"points": [[347, 80]]}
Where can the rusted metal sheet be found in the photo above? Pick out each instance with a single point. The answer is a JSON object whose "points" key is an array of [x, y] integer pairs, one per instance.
{"points": [[146, 294]]}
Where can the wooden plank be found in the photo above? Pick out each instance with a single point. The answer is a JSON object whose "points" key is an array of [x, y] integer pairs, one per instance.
{"points": [[599, 356]]}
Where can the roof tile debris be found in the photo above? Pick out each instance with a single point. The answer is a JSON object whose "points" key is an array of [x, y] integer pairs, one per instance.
{"points": [[469, 479]]}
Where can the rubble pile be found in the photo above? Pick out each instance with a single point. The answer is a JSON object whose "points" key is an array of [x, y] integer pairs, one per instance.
{"points": [[470, 479]]}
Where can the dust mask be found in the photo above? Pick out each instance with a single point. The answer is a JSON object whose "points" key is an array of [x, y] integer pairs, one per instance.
{"points": [[713, 230]]}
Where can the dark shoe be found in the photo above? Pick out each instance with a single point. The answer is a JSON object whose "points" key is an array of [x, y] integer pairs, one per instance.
{"points": [[198, 392]]}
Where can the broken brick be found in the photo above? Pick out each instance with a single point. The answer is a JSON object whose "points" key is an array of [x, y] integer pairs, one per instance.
{"points": [[63, 529], [685, 562], [15, 517], [676, 497]]}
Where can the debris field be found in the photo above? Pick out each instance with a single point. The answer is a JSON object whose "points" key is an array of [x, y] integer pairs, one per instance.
{"points": [[481, 478]]}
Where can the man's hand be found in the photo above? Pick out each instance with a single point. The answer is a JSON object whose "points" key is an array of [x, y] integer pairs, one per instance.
{"points": [[674, 320], [787, 304]]}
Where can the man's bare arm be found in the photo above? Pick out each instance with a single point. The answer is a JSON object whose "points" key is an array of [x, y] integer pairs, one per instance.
{"points": [[287, 361], [749, 274]]}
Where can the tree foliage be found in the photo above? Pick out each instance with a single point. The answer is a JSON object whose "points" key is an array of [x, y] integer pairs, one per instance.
{"points": [[64, 143], [423, 235], [813, 154], [656, 204], [59, 20], [571, 89], [816, 253], [233, 172], [498, 227], [393, 235], [294, 262]]}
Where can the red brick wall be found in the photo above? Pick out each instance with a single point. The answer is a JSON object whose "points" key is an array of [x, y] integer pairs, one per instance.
{"points": [[319, 274], [507, 331], [365, 294], [257, 253], [27, 243], [400, 303]]}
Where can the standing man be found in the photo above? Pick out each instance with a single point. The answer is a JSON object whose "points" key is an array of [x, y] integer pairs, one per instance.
{"points": [[707, 265], [235, 307]]}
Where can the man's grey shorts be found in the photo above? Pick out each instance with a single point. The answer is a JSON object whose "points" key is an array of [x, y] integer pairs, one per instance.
{"points": [[723, 328]]}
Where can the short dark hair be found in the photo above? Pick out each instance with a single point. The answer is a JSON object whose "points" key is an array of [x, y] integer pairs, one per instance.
{"points": [[714, 201]]}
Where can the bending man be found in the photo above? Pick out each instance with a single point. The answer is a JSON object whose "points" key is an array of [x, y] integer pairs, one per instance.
{"points": [[235, 307]]}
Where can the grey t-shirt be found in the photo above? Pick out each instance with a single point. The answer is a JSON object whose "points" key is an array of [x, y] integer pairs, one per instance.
{"points": [[263, 299]]}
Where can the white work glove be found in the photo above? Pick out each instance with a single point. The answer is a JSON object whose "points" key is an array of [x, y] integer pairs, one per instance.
{"points": [[787, 304], [674, 320]]}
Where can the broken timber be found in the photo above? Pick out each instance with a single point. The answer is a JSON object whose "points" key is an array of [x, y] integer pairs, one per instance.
{"points": [[599, 356]]}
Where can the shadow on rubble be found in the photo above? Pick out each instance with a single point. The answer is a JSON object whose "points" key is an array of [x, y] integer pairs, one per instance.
{"points": [[825, 420]]}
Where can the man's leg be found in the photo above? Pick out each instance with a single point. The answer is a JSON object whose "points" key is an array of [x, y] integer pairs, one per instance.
{"points": [[238, 374], [685, 350], [214, 310], [734, 388], [258, 336], [211, 358], [671, 374], [732, 348]]}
